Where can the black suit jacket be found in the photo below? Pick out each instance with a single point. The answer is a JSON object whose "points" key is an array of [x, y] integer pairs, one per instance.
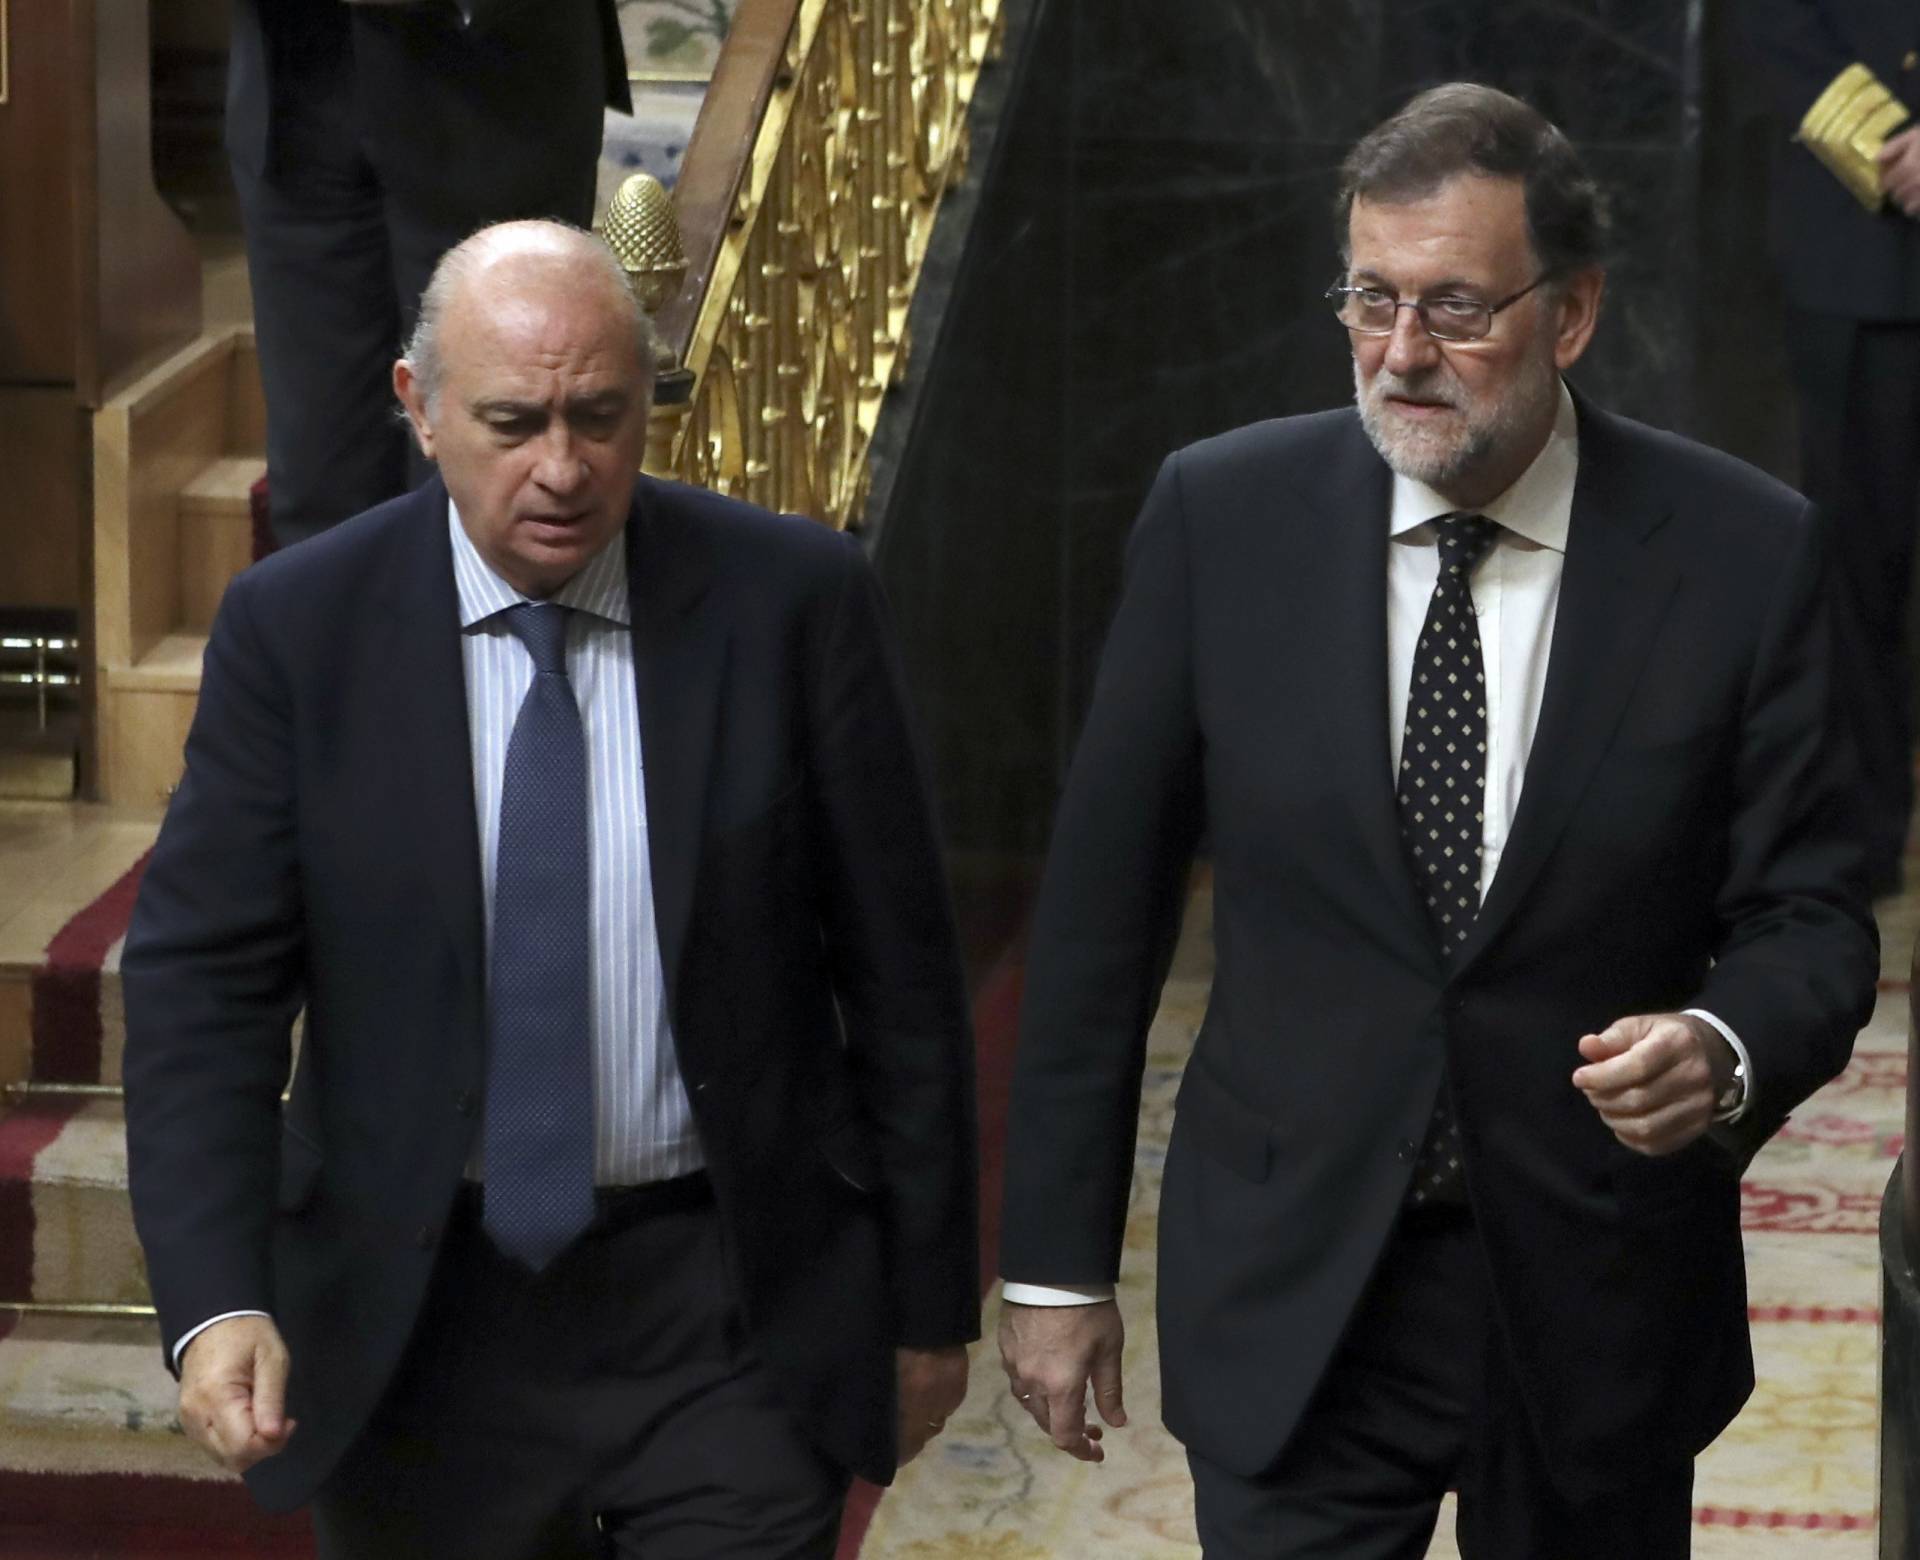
{"points": [[1676, 843], [467, 123], [322, 849], [1835, 257]]}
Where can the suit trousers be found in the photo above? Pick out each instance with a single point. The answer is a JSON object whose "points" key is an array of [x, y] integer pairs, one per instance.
{"points": [[609, 1406], [1419, 1399], [1858, 388], [341, 241]]}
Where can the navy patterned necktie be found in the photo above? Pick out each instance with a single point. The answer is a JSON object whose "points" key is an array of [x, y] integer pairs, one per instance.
{"points": [[539, 1129], [1442, 786]]}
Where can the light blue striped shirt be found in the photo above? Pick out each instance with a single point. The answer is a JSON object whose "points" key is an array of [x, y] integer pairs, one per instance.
{"points": [[644, 1127]]}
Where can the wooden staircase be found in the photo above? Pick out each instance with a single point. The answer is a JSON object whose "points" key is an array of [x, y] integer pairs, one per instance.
{"points": [[92, 1460], [176, 455]]}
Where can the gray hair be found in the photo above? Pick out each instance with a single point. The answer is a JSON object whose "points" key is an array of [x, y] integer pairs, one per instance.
{"points": [[464, 261], [1464, 127]]}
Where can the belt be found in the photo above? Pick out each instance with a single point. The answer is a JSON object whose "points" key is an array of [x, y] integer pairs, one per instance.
{"points": [[615, 1208]]}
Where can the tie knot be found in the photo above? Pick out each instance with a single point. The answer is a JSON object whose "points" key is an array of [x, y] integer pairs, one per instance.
{"points": [[542, 627], [1464, 540]]}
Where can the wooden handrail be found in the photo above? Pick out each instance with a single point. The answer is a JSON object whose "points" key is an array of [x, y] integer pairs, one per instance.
{"points": [[719, 153]]}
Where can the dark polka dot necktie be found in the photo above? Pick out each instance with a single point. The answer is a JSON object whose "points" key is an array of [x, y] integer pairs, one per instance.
{"points": [[1442, 788], [539, 1115]]}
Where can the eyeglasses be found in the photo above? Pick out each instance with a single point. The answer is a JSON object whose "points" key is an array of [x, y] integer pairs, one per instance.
{"points": [[1372, 311]]}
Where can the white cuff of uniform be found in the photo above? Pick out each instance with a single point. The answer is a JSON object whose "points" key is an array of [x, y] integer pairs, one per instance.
{"points": [[1739, 1050], [1047, 1294], [187, 1337]]}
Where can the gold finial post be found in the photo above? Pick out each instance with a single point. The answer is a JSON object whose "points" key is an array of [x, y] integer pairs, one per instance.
{"points": [[644, 234]]}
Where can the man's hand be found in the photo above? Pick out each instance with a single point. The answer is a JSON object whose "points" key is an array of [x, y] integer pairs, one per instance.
{"points": [[1900, 169], [933, 1383], [1654, 1078], [1051, 1352], [233, 1391]]}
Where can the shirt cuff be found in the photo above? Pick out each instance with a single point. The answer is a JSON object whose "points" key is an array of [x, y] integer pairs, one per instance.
{"points": [[1739, 1050], [187, 1337], [1047, 1294]]}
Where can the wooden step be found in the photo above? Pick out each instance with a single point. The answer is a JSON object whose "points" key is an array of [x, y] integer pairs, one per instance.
{"points": [[224, 487], [145, 711], [175, 455], [172, 666], [66, 1222], [216, 534], [40, 773]]}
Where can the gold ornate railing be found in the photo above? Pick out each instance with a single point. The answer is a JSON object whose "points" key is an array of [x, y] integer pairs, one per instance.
{"points": [[829, 135]]}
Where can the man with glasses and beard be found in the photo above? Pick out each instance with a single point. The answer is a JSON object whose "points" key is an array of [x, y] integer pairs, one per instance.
{"points": [[1508, 722]]}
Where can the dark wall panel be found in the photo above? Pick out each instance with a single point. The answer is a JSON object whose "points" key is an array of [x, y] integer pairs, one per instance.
{"points": [[1146, 269]]}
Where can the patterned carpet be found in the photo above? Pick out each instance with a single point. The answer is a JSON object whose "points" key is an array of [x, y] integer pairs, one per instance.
{"points": [[1792, 1477]]}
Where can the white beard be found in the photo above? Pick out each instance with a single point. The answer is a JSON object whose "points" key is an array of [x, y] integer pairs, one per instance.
{"points": [[1468, 441]]}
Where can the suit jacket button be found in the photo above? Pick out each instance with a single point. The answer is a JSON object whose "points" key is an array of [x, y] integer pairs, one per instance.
{"points": [[1911, 60], [423, 1237], [465, 1102], [1407, 1152]]}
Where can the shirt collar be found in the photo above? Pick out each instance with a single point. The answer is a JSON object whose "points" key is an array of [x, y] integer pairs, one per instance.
{"points": [[600, 588], [1539, 505]]}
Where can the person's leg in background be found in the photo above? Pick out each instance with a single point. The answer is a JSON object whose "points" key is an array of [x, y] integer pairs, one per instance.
{"points": [[1857, 385], [324, 314], [513, 131]]}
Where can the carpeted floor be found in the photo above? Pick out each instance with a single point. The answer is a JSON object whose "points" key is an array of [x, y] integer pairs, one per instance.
{"points": [[1792, 1477]]}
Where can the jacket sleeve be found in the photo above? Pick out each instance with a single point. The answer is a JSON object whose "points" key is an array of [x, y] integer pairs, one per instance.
{"points": [[1106, 923], [212, 977], [893, 954]]}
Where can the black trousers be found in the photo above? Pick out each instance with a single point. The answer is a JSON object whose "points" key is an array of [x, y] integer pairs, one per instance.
{"points": [[1418, 1400], [1858, 388], [610, 1406], [340, 245]]}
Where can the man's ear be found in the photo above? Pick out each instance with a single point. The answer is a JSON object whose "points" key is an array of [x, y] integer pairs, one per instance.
{"points": [[406, 385], [1580, 296]]}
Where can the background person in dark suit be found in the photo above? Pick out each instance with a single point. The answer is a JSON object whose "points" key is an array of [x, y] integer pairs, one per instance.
{"points": [[1508, 723], [1852, 283], [366, 138], [627, 1176]]}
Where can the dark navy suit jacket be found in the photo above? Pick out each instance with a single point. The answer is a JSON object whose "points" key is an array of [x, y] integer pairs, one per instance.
{"points": [[1679, 840], [321, 851]]}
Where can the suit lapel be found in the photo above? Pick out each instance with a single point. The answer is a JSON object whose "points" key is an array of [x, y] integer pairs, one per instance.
{"points": [[425, 683], [1340, 595], [679, 654], [1615, 588]]}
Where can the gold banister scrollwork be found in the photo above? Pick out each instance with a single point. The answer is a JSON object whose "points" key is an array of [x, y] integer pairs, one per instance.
{"points": [[830, 133]]}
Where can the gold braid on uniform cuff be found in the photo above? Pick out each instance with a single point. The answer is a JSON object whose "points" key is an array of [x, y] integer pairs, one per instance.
{"points": [[1846, 127]]}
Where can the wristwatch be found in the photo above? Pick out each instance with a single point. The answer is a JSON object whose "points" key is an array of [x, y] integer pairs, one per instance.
{"points": [[1733, 1098]]}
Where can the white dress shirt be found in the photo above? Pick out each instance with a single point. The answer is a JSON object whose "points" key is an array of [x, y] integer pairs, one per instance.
{"points": [[1516, 598], [643, 1127]]}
